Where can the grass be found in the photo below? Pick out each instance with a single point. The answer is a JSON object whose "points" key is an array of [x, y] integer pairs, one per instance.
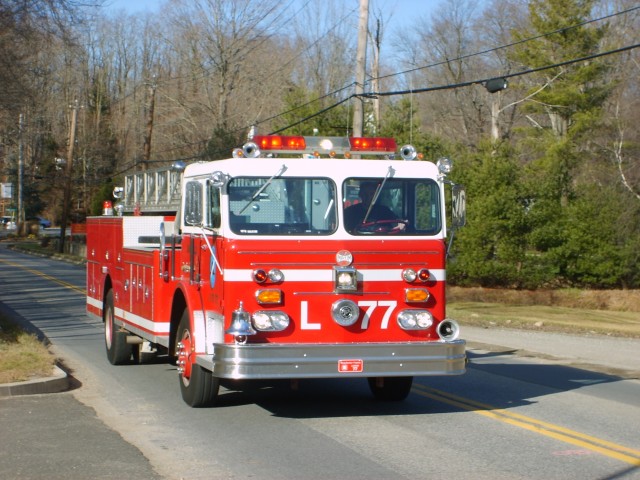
{"points": [[606, 312], [22, 355]]}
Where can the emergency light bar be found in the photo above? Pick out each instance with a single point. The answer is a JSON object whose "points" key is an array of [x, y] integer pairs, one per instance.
{"points": [[325, 145]]}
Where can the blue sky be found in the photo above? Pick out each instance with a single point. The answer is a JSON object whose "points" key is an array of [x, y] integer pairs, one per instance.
{"points": [[404, 11]]}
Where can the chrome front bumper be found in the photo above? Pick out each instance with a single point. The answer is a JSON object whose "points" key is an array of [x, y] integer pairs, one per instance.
{"points": [[272, 361]]}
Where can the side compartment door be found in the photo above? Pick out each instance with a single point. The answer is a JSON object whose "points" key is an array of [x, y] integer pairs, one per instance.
{"points": [[141, 280], [94, 288]]}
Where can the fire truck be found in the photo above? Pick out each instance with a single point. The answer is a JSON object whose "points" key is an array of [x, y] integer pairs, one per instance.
{"points": [[296, 258]]}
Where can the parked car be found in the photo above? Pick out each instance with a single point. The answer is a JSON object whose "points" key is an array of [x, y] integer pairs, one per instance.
{"points": [[7, 223], [43, 222]]}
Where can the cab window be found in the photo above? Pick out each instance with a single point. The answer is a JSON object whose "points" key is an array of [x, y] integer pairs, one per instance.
{"points": [[393, 207], [282, 206]]}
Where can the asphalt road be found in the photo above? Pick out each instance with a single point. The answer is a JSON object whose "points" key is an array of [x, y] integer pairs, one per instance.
{"points": [[511, 416]]}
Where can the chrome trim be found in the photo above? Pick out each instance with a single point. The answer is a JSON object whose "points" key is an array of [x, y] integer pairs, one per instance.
{"points": [[273, 361]]}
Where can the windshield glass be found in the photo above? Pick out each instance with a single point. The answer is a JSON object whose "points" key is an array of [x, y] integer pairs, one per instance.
{"points": [[394, 207], [285, 206]]}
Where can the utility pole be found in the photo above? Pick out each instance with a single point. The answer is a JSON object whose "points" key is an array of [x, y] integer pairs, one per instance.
{"points": [[375, 82], [20, 219], [146, 153], [66, 207], [361, 66]]}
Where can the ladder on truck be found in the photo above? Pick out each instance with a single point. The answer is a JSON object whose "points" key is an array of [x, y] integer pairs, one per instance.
{"points": [[152, 191]]}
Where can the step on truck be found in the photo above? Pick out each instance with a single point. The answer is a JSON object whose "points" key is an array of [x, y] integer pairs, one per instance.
{"points": [[297, 258]]}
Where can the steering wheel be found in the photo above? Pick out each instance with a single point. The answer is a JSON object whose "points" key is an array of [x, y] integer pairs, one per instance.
{"points": [[388, 226]]}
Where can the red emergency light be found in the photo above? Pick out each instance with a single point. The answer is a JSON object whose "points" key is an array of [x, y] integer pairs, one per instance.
{"points": [[372, 144], [279, 142]]}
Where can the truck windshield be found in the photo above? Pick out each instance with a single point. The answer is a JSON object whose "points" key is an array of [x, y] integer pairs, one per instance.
{"points": [[396, 207], [286, 206]]}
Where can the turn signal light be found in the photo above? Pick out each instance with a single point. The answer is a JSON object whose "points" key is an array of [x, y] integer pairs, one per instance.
{"points": [[416, 295], [269, 296]]}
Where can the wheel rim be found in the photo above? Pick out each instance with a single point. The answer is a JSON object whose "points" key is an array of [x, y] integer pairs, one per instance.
{"points": [[108, 327], [184, 357]]}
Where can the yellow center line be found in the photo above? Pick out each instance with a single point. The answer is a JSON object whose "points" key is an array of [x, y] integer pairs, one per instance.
{"points": [[610, 449], [45, 276], [604, 447]]}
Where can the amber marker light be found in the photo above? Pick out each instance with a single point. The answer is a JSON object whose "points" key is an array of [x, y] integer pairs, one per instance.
{"points": [[416, 295], [269, 296]]}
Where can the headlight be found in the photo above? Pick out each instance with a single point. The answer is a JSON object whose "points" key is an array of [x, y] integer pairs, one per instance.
{"points": [[345, 312], [270, 321], [345, 279], [415, 319]]}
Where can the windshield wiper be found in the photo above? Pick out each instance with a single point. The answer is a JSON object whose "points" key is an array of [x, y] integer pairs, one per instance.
{"points": [[204, 229], [283, 169], [390, 173]]}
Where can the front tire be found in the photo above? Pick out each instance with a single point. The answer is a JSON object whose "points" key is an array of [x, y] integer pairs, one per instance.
{"points": [[390, 389], [118, 350], [199, 388]]}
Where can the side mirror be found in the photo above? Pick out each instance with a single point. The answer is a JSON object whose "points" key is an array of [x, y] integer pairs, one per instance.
{"points": [[219, 179], [458, 206], [193, 203]]}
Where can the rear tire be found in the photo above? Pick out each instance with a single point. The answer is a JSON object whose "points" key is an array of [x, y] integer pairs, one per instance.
{"points": [[118, 350], [198, 386], [392, 389]]}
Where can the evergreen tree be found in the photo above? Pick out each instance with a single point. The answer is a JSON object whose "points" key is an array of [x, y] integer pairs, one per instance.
{"points": [[301, 104], [565, 112], [491, 250]]}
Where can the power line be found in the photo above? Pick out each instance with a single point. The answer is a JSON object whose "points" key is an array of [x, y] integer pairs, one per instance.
{"points": [[331, 107], [461, 84], [510, 75], [447, 61], [509, 45]]}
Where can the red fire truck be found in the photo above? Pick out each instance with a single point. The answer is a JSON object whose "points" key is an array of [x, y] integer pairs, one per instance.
{"points": [[298, 258]]}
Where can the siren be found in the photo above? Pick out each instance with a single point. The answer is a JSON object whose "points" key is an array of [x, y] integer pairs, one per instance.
{"points": [[408, 152], [251, 150]]}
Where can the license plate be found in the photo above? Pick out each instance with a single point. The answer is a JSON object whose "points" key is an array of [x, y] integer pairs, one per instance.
{"points": [[350, 366]]}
